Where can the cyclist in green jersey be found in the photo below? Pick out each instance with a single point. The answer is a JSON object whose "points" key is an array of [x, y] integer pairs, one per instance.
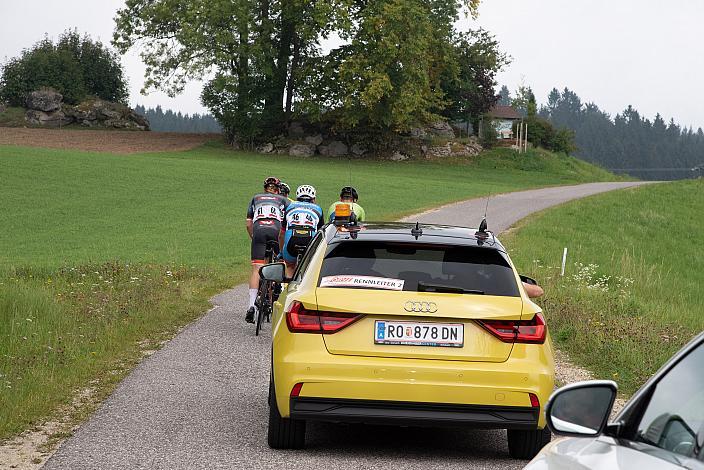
{"points": [[285, 190], [349, 195]]}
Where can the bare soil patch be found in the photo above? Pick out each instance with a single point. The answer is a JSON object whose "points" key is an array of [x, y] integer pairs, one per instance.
{"points": [[121, 142]]}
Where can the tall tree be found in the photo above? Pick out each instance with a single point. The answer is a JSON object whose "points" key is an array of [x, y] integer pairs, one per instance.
{"points": [[246, 45], [264, 64], [470, 89], [524, 101], [504, 96]]}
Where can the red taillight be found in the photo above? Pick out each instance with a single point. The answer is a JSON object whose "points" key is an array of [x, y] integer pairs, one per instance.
{"points": [[296, 390], [534, 402], [518, 331], [301, 320]]}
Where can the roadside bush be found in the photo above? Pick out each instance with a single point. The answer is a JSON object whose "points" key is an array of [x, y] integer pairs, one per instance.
{"points": [[489, 136], [542, 133], [75, 67]]}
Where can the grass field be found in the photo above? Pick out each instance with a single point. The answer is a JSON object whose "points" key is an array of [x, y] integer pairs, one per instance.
{"points": [[632, 292], [65, 207], [105, 255]]}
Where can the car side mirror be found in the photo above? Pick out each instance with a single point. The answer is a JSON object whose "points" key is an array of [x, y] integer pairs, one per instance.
{"points": [[275, 272], [581, 409], [528, 280]]}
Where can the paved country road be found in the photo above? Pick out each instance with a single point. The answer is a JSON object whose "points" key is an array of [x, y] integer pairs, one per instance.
{"points": [[200, 402]]}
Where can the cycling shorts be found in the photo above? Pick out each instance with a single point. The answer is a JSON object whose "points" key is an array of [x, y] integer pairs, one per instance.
{"points": [[262, 234], [293, 239]]}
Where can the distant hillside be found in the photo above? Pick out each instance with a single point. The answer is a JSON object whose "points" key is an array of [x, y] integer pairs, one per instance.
{"points": [[169, 121]]}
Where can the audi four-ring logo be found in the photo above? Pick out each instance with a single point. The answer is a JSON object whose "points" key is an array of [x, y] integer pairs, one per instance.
{"points": [[420, 307]]}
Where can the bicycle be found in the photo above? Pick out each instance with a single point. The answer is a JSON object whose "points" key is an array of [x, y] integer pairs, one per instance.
{"points": [[264, 300]]}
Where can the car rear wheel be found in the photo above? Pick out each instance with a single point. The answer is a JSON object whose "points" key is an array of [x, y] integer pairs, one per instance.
{"points": [[284, 433], [526, 444]]}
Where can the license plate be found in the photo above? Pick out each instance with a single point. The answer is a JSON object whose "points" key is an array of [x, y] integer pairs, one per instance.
{"points": [[406, 333]]}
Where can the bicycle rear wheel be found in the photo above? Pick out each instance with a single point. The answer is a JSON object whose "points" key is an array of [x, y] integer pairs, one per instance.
{"points": [[260, 318], [261, 306]]}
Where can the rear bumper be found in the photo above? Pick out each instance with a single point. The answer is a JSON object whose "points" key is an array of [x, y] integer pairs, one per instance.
{"points": [[413, 414], [451, 385]]}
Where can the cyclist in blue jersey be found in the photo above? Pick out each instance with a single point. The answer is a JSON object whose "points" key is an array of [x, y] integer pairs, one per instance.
{"points": [[303, 219]]}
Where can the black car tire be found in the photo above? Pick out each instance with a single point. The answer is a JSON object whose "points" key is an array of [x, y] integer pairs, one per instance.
{"points": [[525, 445], [284, 433]]}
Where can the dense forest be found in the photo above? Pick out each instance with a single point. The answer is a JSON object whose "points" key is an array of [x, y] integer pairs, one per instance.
{"points": [[648, 149], [176, 122]]}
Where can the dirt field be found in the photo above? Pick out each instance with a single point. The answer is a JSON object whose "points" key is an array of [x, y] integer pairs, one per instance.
{"points": [[123, 142]]}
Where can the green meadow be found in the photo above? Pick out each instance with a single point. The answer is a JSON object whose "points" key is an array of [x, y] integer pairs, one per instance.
{"points": [[632, 293], [104, 256]]}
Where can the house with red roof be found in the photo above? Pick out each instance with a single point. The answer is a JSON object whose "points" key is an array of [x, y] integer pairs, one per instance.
{"points": [[503, 118]]}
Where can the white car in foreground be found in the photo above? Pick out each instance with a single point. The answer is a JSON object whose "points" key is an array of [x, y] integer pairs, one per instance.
{"points": [[661, 427]]}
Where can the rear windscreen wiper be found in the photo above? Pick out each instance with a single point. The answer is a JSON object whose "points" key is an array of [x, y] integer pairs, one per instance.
{"points": [[429, 287]]}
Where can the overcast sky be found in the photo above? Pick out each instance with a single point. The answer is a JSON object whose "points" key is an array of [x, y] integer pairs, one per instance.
{"points": [[641, 52]]}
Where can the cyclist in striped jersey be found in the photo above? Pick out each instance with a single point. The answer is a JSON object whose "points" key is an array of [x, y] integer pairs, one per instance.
{"points": [[303, 219]]}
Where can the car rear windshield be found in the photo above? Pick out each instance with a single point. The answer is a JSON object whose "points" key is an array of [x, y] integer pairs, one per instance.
{"points": [[418, 267]]}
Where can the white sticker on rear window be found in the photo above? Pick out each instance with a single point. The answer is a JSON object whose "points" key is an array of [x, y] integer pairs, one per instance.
{"points": [[371, 282]]}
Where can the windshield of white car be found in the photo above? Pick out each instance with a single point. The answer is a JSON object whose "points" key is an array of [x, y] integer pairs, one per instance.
{"points": [[418, 267]]}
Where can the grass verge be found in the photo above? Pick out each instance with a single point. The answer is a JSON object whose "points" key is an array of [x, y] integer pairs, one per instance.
{"points": [[63, 330], [631, 294], [73, 317]]}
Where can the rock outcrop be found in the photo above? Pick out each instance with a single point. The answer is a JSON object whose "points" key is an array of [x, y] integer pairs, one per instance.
{"points": [[315, 140], [454, 149], [48, 119], [302, 150], [334, 148], [45, 100], [441, 129], [45, 107], [436, 140]]}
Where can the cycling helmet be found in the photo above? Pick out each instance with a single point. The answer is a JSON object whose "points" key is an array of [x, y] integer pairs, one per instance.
{"points": [[349, 191], [284, 189], [305, 191], [272, 181]]}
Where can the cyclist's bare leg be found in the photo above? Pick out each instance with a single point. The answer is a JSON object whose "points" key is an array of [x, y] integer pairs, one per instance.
{"points": [[254, 277], [290, 268], [253, 288]]}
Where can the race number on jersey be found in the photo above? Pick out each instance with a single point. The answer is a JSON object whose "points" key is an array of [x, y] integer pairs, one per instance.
{"points": [[268, 211], [302, 218]]}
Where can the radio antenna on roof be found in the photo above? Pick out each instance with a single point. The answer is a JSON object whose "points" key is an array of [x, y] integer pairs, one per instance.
{"points": [[483, 233]]}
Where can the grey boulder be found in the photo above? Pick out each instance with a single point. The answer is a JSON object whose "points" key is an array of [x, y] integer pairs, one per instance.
{"points": [[441, 129], [49, 119], [334, 148], [302, 150], [315, 139], [45, 100]]}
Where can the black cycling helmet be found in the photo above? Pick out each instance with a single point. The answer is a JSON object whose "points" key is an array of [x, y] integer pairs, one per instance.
{"points": [[349, 191], [272, 181], [284, 189]]}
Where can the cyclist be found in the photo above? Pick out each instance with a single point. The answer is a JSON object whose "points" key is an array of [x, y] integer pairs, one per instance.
{"points": [[348, 195], [285, 190], [265, 216], [303, 219]]}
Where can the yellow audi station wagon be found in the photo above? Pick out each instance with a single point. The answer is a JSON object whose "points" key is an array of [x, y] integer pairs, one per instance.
{"points": [[408, 324]]}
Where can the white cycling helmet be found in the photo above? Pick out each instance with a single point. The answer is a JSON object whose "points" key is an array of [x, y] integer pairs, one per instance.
{"points": [[305, 191]]}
